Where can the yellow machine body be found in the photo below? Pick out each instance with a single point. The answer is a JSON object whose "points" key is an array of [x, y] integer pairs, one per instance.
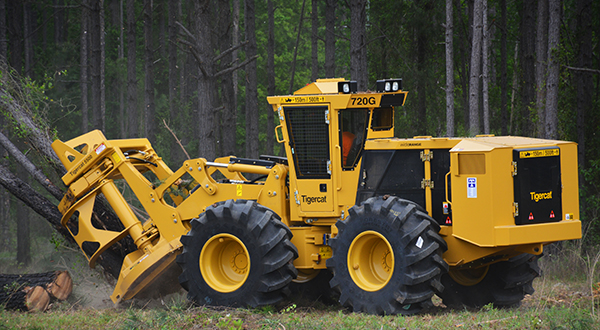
{"points": [[466, 184]]}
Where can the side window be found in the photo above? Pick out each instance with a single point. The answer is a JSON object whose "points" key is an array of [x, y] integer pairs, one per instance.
{"points": [[309, 140], [353, 132], [383, 119]]}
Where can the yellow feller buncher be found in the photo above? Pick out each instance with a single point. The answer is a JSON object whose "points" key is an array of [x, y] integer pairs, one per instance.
{"points": [[394, 220]]}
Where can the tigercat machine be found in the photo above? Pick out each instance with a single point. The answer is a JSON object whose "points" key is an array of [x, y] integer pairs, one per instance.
{"points": [[392, 221]]}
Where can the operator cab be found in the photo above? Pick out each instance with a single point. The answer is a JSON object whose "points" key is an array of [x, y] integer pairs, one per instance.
{"points": [[324, 127]]}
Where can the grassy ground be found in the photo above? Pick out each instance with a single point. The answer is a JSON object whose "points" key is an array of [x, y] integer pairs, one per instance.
{"points": [[566, 298]]}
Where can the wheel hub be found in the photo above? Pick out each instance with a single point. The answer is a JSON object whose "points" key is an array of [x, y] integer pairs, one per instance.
{"points": [[468, 276], [370, 261], [224, 263]]}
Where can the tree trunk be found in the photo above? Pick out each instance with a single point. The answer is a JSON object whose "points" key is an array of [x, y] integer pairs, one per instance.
{"points": [[314, 74], [422, 50], [16, 106], [22, 218], [475, 69], [235, 39], [228, 118], [553, 70], [515, 88], [5, 244], [14, 11], [503, 69], [25, 164], [28, 32], [84, 55], [293, 73], [102, 68], [120, 82], [60, 32], [485, 79], [3, 36], [150, 125], [541, 63], [132, 111], [206, 130], [449, 70], [251, 83], [173, 75], [464, 51], [358, 43], [96, 64], [527, 65], [33, 291], [584, 79], [330, 38], [270, 76]]}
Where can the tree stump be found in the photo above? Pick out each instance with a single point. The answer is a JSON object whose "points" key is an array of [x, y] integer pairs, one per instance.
{"points": [[34, 291]]}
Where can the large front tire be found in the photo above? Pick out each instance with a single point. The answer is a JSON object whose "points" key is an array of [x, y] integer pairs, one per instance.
{"points": [[503, 284], [387, 257], [238, 253]]}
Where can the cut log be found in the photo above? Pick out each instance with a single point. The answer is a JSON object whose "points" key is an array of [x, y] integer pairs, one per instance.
{"points": [[34, 291], [62, 286], [37, 299]]}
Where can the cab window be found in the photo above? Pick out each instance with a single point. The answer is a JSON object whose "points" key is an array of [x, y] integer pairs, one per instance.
{"points": [[383, 119], [353, 132]]}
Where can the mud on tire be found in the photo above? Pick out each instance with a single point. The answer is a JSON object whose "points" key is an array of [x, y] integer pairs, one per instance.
{"points": [[387, 257], [247, 259]]}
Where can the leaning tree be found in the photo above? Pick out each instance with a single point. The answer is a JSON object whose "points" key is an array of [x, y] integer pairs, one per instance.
{"points": [[21, 103]]}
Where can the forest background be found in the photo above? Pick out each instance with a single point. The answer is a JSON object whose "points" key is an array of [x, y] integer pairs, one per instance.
{"points": [[203, 69]]}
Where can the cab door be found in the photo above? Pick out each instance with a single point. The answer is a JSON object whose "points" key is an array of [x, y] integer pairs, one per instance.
{"points": [[311, 186]]}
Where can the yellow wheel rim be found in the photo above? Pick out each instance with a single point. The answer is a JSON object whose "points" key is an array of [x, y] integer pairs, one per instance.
{"points": [[224, 263], [305, 275], [468, 276], [370, 261]]}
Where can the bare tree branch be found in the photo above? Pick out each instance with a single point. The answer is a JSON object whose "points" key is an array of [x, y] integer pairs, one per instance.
{"points": [[582, 69], [176, 139], [224, 53], [187, 32], [233, 68]]}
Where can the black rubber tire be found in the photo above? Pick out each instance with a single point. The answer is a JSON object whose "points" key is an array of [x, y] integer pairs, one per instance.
{"points": [[317, 289], [267, 241], [505, 284], [417, 251]]}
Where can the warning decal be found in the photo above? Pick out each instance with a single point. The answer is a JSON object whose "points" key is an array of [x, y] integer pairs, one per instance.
{"points": [[471, 187], [302, 99], [239, 190], [539, 153]]}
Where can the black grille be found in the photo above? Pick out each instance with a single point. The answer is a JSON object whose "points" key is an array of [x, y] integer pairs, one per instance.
{"points": [[537, 185], [309, 139]]}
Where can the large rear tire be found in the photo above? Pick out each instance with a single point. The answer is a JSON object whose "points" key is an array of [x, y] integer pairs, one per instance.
{"points": [[503, 284], [387, 257], [238, 253]]}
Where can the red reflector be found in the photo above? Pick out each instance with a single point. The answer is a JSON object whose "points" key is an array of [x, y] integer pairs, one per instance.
{"points": [[551, 214], [530, 216]]}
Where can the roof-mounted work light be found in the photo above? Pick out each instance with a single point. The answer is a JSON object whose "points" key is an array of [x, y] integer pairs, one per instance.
{"points": [[347, 87], [389, 85]]}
